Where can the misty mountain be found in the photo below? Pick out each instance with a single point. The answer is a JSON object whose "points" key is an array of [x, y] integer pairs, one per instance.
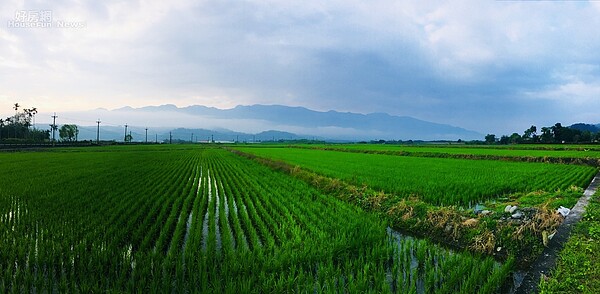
{"points": [[224, 135], [110, 133], [254, 122], [330, 124]]}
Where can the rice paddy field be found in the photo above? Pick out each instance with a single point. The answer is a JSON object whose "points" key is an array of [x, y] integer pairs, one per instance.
{"points": [[558, 151], [180, 218], [439, 181]]}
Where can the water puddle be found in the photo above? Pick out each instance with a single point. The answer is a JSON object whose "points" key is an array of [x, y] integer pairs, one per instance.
{"points": [[217, 230]]}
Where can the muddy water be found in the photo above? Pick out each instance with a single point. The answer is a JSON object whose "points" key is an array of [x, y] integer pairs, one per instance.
{"points": [[397, 238]]}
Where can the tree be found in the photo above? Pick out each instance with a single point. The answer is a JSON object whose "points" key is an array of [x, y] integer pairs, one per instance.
{"points": [[558, 132], [490, 138], [128, 138], [515, 138], [68, 132], [586, 136], [546, 136], [504, 140], [33, 111], [530, 134]]}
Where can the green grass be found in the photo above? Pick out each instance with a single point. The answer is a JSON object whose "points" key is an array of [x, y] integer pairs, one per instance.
{"points": [[439, 181], [187, 219], [578, 265]]}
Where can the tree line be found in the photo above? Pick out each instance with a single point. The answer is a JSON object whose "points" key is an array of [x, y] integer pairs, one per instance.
{"points": [[21, 128], [548, 135]]}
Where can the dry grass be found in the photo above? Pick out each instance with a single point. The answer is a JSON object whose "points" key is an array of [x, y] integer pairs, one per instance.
{"points": [[542, 223], [484, 242], [440, 218], [375, 201], [401, 208], [470, 223]]}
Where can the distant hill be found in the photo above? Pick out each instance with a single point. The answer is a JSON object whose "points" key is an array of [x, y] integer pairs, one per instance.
{"points": [[330, 124], [201, 135], [255, 122], [109, 133], [586, 127]]}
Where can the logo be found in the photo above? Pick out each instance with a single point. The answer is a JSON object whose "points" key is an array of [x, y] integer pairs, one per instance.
{"points": [[28, 19]]}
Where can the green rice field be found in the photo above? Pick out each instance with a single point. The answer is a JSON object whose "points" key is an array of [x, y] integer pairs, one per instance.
{"points": [[440, 181], [556, 151], [180, 219]]}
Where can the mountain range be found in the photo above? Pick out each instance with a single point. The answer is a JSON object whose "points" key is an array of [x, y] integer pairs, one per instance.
{"points": [[261, 122]]}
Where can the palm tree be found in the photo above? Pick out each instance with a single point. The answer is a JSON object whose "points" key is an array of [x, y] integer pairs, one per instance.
{"points": [[1, 127], [8, 121], [33, 112], [16, 108]]}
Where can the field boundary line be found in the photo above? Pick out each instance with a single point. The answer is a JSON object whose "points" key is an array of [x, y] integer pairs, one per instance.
{"points": [[545, 263]]}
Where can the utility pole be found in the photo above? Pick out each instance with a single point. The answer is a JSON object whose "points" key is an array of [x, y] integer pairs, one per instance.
{"points": [[54, 128], [98, 132], [146, 135], [212, 138], [237, 138], [156, 138], [125, 138], [170, 138]]}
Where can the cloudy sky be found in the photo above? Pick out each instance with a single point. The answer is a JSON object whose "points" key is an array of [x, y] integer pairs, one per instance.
{"points": [[488, 66]]}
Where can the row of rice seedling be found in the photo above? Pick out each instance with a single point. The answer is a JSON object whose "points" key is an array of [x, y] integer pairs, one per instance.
{"points": [[201, 220], [440, 181], [73, 221]]}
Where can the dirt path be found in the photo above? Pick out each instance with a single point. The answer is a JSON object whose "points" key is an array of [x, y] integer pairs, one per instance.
{"points": [[547, 260]]}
